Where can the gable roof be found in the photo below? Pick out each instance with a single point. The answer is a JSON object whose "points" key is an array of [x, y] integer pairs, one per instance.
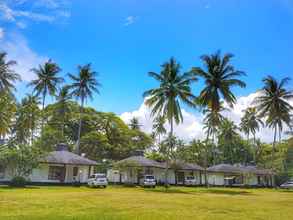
{"points": [[66, 157], [142, 162]]}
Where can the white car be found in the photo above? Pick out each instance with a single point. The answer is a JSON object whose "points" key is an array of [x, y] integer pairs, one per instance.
{"points": [[149, 181], [98, 180], [287, 185], [190, 181]]}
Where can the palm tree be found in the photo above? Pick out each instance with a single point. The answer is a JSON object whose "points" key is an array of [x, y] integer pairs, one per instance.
{"points": [[228, 133], [273, 105], [7, 76], [250, 122], [27, 118], [46, 82], [63, 99], [82, 88], [158, 126], [219, 77], [134, 124], [164, 100], [212, 121], [7, 109]]}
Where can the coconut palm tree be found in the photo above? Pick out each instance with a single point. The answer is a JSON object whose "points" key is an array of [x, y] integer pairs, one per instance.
{"points": [[62, 105], [158, 126], [84, 85], [250, 122], [219, 77], [46, 82], [134, 124], [273, 105], [7, 109], [27, 119], [165, 99], [7, 75]]}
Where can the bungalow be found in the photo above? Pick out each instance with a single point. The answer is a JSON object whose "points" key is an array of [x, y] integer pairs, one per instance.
{"points": [[132, 169], [237, 175], [60, 166]]}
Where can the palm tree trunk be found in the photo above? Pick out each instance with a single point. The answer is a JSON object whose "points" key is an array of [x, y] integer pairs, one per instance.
{"points": [[80, 124], [168, 152], [273, 155], [43, 107], [206, 160]]}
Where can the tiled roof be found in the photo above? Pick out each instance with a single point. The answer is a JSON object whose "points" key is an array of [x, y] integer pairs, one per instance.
{"points": [[228, 168]]}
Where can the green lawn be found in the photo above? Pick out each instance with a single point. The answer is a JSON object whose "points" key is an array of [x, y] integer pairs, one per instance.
{"points": [[57, 203]]}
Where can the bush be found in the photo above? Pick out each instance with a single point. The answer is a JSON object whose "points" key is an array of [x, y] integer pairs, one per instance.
{"points": [[18, 181]]}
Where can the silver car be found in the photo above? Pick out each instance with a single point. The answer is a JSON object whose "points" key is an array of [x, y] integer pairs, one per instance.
{"points": [[287, 185], [149, 181], [98, 180]]}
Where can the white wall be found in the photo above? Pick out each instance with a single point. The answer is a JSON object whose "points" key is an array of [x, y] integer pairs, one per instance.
{"points": [[40, 174], [216, 179]]}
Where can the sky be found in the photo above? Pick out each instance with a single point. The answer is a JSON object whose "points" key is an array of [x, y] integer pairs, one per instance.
{"points": [[125, 39]]}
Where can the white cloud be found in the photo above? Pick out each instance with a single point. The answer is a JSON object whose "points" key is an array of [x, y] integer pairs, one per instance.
{"points": [[1, 33], [18, 49], [129, 20], [10, 11], [192, 126]]}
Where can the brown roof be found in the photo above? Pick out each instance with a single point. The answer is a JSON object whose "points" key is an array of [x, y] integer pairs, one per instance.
{"points": [[228, 168]]}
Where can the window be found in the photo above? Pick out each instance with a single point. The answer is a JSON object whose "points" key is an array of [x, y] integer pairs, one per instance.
{"points": [[55, 173], [2, 170], [75, 171]]}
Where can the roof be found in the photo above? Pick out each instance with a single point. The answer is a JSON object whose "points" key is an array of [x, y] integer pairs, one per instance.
{"points": [[145, 162], [66, 157], [186, 166], [142, 162], [228, 168]]}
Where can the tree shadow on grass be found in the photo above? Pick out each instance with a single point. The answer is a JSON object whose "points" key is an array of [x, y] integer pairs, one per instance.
{"points": [[6, 187], [201, 191]]}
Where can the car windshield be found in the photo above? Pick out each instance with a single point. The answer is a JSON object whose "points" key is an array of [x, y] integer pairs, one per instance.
{"points": [[190, 178], [149, 177], [101, 176]]}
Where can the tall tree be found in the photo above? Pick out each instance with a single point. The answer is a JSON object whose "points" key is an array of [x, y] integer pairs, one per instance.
{"points": [[62, 106], [46, 81], [7, 109], [164, 100], [7, 75], [134, 124], [27, 119], [250, 122], [219, 77], [82, 88], [273, 105], [158, 126]]}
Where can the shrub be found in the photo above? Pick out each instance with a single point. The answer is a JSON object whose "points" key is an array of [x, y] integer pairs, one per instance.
{"points": [[18, 181]]}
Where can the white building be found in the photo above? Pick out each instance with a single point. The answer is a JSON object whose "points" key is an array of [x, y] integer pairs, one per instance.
{"points": [[132, 169], [60, 166], [238, 175]]}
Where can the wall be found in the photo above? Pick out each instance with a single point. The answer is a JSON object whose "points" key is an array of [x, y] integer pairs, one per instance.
{"points": [[216, 179]]}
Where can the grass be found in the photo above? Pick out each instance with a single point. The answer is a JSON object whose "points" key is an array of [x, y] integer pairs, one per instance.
{"points": [[69, 203]]}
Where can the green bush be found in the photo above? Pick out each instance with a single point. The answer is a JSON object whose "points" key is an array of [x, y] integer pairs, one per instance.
{"points": [[18, 181]]}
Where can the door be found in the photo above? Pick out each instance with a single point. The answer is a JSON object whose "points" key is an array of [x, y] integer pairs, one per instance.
{"points": [[180, 178]]}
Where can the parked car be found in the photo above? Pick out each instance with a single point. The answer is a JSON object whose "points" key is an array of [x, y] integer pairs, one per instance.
{"points": [[287, 185], [190, 181], [98, 180], [149, 181]]}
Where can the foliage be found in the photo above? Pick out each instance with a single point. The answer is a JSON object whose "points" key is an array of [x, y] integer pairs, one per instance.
{"points": [[22, 159], [7, 75], [7, 109], [18, 181]]}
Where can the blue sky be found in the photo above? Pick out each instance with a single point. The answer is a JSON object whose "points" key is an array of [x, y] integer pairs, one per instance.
{"points": [[127, 38]]}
